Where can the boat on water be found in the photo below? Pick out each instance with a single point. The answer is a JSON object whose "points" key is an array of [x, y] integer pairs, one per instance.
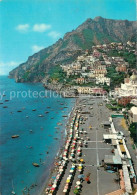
{"points": [[46, 112], [40, 115], [5, 106], [64, 116], [14, 136], [34, 110], [19, 111], [13, 191], [35, 164], [59, 123], [6, 100], [30, 130]]}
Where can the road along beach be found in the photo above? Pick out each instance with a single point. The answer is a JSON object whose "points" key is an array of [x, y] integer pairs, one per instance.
{"points": [[78, 169]]}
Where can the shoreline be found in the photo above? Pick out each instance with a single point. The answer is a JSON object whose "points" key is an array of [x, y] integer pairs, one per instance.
{"points": [[56, 159]]}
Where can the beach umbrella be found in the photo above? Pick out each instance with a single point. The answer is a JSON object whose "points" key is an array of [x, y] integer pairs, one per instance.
{"points": [[78, 182], [71, 171], [70, 176], [72, 168], [87, 179], [76, 191], [68, 181], [81, 160], [52, 189], [81, 176]]}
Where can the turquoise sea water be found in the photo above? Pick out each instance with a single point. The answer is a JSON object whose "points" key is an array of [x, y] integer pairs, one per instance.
{"points": [[37, 135]]}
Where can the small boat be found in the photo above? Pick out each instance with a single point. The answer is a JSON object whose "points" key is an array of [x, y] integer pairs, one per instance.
{"points": [[52, 117], [35, 164], [27, 117], [1, 102], [13, 192], [6, 100], [46, 112], [5, 106], [19, 111], [64, 116], [34, 110], [59, 123], [48, 107], [14, 136], [30, 131], [40, 115]]}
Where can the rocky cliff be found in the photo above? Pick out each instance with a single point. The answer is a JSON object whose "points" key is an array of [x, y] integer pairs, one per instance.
{"points": [[64, 51]]}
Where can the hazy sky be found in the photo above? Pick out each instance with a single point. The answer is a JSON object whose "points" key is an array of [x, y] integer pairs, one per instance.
{"points": [[29, 25]]}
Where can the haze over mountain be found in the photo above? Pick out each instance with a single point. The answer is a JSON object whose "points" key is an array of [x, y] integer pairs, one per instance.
{"points": [[92, 32]]}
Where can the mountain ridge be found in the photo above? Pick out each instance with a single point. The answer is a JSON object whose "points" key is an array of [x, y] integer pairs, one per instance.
{"points": [[91, 32]]}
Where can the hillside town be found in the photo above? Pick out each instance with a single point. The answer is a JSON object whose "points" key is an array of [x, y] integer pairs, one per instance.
{"points": [[103, 71]]}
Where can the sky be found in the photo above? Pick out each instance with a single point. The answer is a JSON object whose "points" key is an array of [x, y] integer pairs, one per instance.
{"points": [[27, 26]]}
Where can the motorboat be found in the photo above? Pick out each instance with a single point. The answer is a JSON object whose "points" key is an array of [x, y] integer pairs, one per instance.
{"points": [[14, 136], [35, 164]]}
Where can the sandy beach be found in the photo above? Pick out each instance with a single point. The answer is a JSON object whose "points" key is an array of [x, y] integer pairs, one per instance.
{"points": [[78, 166]]}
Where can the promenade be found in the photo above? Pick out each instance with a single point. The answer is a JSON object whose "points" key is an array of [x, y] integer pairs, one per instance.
{"points": [[88, 137]]}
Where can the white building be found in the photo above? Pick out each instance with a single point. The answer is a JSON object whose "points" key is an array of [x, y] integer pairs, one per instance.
{"points": [[133, 115], [129, 88], [103, 80]]}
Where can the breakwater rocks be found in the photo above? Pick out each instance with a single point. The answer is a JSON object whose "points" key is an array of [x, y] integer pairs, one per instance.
{"points": [[63, 90]]}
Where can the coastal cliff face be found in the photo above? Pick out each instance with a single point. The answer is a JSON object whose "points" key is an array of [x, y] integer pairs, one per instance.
{"points": [[66, 50]]}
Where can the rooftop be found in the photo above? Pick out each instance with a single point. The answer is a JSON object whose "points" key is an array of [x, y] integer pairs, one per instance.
{"points": [[111, 159]]}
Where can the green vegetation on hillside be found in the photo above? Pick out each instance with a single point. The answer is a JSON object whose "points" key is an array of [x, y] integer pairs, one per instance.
{"points": [[116, 77], [77, 40], [25, 76], [128, 57], [56, 73], [88, 38]]}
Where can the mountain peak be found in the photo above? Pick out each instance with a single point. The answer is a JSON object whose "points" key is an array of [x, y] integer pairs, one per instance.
{"points": [[98, 18]]}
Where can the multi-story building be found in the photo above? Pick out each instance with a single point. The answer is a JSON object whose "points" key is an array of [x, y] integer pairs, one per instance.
{"points": [[80, 80], [103, 80], [121, 68], [128, 90]]}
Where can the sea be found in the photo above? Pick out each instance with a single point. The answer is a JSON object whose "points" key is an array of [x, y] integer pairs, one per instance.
{"points": [[37, 116]]}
